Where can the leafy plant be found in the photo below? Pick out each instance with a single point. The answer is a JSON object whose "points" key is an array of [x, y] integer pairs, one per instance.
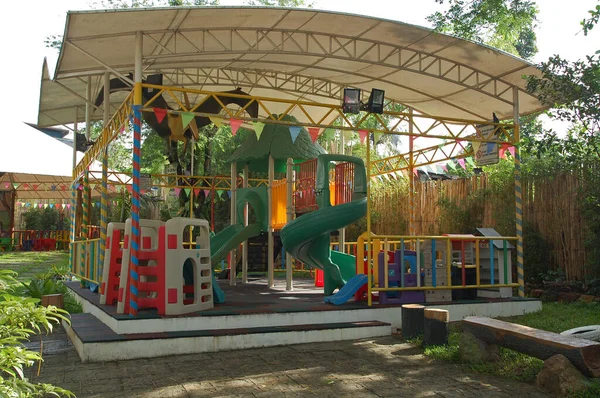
{"points": [[20, 317]]}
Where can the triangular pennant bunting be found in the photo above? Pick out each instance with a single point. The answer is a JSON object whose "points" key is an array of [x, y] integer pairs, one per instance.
{"points": [[511, 149], [445, 168], [475, 146], [415, 171], [362, 134], [229, 194], [216, 120], [295, 132], [160, 114], [470, 161], [461, 161], [258, 128], [219, 192], [376, 137], [451, 165], [314, 133], [186, 118], [187, 191], [196, 191], [206, 192], [235, 125]]}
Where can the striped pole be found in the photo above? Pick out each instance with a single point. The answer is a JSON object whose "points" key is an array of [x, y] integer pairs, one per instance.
{"points": [[518, 195], [103, 209], [86, 217], [135, 192], [135, 210], [104, 191]]}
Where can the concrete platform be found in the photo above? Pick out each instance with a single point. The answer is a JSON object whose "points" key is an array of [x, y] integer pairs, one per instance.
{"points": [[252, 316]]}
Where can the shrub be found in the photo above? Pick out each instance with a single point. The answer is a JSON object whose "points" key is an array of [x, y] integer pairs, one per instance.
{"points": [[20, 317]]}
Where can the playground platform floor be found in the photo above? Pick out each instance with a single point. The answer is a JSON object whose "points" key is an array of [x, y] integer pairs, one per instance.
{"points": [[256, 298]]}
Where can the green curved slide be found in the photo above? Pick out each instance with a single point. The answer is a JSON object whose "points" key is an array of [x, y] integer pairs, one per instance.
{"points": [[307, 238], [232, 236]]}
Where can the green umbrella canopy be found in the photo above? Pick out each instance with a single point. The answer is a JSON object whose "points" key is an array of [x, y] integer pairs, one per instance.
{"points": [[277, 141]]}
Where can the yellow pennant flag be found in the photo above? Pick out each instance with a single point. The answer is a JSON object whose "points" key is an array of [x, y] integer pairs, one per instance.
{"points": [[217, 121], [476, 146]]}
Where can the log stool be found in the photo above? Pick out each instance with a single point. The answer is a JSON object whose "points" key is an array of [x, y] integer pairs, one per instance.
{"points": [[436, 327], [412, 320]]}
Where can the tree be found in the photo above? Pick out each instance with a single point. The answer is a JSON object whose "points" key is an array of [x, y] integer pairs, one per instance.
{"points": [[505, 24]]}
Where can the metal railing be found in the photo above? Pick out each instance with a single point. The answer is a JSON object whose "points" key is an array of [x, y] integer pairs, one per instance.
{"points": [[86, 260]]}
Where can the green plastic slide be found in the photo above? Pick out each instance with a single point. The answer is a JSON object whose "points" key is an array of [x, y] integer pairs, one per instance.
{"points": [[307, 237]]}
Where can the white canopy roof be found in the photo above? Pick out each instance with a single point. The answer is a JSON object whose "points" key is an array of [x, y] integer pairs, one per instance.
{"points": [[286, 53]]}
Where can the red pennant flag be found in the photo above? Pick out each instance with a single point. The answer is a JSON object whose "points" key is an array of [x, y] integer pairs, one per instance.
{"points": [[314, 133], [160, 114], [363, 135], [35, 187], [415, 171], [235, 125], [196, 191]]}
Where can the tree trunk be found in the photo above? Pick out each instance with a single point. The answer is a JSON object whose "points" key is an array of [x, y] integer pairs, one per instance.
{"points": [[412, 320], [436, 327]]}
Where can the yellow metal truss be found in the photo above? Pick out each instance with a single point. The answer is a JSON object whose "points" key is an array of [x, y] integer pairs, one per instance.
{"points": [[424, 126]]}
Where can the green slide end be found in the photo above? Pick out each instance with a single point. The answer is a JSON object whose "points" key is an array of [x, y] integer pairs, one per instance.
{"points": [[307, 239]]}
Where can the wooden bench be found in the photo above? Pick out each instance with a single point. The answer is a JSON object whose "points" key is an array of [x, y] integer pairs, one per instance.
{"points": [[583, 354]]}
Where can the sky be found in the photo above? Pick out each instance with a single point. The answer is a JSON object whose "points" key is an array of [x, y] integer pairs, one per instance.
{"points": [[27, 23]]}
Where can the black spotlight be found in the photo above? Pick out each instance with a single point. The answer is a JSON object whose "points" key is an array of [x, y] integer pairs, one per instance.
{"points": [[351, 100], [375, 104]]}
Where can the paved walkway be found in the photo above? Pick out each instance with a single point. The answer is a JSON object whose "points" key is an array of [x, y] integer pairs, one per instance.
{"points": [[381, 367]]}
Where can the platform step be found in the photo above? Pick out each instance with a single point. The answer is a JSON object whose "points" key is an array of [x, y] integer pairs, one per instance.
{"points": [[96, 342]]}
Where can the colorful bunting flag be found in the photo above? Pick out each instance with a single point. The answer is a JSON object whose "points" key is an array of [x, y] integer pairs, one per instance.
{"points": [[35, 187], [196, 191], [415, 171], [6, 185], [362, 134], [68, 205], [187, 191], [235, 125], [511, 149], [229, 194], [451, 164], [52, 205], [470, 161], [216, 120], [206, 193], [314, 133], [64, 205], [490, 147], [476, 145], [177, 191], [445, 168], [160, 114], [258, 128], [186, 118], [219, 192], [461, 161], [40, 205], [294, 132], [376, 138], [15, 185]]}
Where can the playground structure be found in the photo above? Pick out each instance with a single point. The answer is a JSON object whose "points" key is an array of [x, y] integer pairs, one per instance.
{"points": [[449, 99]]}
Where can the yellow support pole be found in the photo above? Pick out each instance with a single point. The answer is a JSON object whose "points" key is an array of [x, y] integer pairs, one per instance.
{"points": [[370, 251], [448, 262], [477, 270]]}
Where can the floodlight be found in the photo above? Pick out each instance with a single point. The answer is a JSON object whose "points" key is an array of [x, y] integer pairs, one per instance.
{"points": [[351, 100], [375, 104]]}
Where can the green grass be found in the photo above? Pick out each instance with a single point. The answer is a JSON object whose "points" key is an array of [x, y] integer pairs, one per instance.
{"points": [[29, 264], [554, 317]]}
